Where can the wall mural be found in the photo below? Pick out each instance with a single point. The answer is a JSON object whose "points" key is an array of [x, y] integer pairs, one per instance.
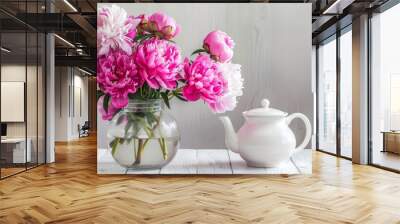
{"points": [[151, 63]]}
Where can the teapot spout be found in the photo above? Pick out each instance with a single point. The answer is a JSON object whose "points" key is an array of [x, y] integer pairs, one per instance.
{"points": [[231, 140]]}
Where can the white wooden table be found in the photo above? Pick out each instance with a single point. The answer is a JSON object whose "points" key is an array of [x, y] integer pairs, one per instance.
{"points": [[208, 161]]}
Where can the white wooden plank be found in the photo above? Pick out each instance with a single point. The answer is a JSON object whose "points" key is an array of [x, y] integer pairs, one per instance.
{"points": [[303, 161], [239, 166], [215, 161], [286, 167], [184, 163], [110, 168], [103, 155], [145, 171], [106, 164], [208, 161]]}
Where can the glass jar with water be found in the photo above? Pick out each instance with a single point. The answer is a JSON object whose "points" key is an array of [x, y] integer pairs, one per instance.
{"points": [[143, 135]]}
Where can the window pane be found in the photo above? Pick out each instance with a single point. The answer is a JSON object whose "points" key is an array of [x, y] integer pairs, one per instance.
{"points": [[346, 93], [14, 153], [386, 89], [327, 97]]}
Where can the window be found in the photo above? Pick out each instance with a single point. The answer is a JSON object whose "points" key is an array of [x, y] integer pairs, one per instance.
{"points": [[334, 106], [22, 77], [346, 93], [327, 96], [385, 89]]}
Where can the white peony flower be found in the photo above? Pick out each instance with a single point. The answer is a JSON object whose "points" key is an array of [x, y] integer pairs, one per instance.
{"points": [[115, 29], [233, 76]]}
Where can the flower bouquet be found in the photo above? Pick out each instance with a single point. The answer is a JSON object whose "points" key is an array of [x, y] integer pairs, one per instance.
{"points": [[140, 69]]}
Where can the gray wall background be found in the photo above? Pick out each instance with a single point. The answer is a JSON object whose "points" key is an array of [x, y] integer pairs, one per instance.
{"points": [[273, 45]]}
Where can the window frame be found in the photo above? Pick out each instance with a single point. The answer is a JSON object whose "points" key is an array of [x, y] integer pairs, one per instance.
{"points": [[336, 36], [381, 9]]}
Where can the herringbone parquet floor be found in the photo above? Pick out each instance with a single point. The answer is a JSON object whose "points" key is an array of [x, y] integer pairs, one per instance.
{"points": [[70, 191]]}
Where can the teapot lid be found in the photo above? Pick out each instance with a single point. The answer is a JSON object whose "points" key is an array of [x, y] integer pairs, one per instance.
{"points": [[264, 111]]}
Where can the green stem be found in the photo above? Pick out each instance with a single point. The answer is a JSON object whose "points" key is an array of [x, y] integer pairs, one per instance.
{"points": [[142, 144], [163, 148], [135, 147], [139, 153], [149, 133]]}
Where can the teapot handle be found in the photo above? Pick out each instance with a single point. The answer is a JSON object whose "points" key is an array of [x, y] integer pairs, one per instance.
{"points": [[308, 129]]}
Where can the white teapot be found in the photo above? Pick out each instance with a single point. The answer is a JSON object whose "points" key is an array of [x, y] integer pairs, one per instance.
{"points": [[265, 139]]}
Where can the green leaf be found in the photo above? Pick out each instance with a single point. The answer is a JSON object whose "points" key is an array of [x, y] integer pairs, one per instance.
{"points": [[99, 93], [135, 129], [149, 132], [165, 98], [116, 112], [127, 127], [141, 37], [200, 50], [151, 118], [129, 140], [105, 102], [120, 119], [181, 98], [113, 144]]}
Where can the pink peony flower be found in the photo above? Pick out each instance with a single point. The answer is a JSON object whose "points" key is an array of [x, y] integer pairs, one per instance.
{"points": [[111, 110], [204, 80], [164, 25], [219, 45], [115, 30], [117, 76], [159, 63], [233, 77]]}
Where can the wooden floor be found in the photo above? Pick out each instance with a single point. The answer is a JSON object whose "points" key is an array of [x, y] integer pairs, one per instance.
{"points": [[70, 191], [5, 172]]}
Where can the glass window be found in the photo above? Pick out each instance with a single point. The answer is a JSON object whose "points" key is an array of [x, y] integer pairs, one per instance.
{"points": [[385, 87], [14, 153], [22, 76], [346, 94], [327, 96]]}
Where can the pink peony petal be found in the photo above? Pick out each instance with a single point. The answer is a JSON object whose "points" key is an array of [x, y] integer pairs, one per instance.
{"points": [[119, 101], [111, 110], [155, 64], [190, 93], [118, 76], [219, 45], [164, 25], [204, 79]]}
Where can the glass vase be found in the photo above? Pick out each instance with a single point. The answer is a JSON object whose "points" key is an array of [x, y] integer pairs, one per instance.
{"points": [[143, 135]]}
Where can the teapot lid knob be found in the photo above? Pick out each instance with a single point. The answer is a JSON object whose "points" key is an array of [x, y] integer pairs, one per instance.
{"points": [[265, 103]]}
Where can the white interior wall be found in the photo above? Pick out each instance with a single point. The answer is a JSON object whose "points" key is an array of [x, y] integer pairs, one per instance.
{"points": [[61, 103], [79, 117], [67, 115]]}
